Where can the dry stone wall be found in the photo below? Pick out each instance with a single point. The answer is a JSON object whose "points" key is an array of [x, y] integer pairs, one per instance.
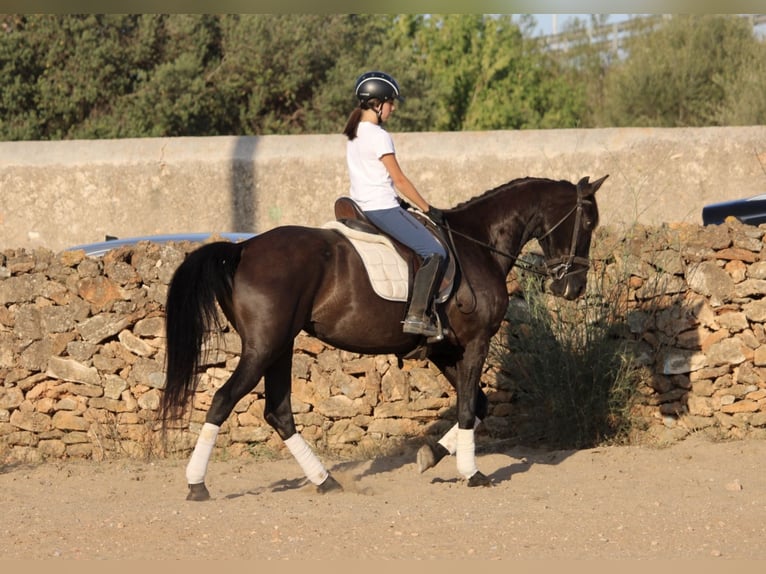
{"points": [[696, 312], [82, 353]]}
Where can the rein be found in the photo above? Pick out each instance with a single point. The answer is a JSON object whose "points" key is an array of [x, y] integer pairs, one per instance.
{"points": [[557, 268]]}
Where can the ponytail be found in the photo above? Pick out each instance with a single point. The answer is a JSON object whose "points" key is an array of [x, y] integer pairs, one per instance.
{"points": [[356, 116], [353, 122]]}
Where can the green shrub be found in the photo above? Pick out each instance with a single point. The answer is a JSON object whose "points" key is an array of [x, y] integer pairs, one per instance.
{"points": [[570, 370]]}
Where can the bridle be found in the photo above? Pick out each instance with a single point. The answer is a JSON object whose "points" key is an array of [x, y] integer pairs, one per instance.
{"points": [[557, 268], [560, 267]]}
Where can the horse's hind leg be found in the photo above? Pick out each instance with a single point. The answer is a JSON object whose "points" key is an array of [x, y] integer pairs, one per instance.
{"points": [[278, 413], [242, 381]]}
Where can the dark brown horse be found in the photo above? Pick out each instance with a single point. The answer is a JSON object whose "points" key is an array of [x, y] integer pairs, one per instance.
{"points": [[295, 278]]}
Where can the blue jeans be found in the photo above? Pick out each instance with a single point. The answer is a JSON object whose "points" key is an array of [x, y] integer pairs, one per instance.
{"points": [[402, 226]]}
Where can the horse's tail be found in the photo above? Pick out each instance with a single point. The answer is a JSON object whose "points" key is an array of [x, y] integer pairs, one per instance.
{"points": [[204, 277]]}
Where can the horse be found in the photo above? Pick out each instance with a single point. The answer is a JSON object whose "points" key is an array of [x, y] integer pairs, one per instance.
{"points": [[292, 278]]}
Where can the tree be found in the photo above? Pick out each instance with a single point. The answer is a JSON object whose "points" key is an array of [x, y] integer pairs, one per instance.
{"points": [[276, 66], [70, 76], [486, 75], [63, 69], [20, 61], [683, 73], [165, 75], [745, 96], [170, 92], [585, 62]]}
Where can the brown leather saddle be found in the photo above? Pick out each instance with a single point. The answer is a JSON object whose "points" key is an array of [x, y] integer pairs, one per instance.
{"points": [[349, 214]]}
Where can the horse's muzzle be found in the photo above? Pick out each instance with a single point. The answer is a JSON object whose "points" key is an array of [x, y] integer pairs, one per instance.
{"points": [[570, 287]]}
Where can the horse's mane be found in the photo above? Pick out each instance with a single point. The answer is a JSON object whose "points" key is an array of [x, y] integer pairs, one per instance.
{"points": [[518, 182]]}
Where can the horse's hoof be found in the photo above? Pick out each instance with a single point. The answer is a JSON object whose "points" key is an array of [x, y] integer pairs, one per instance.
{"points": [[198, 492], [479, 479], [329, 485], [428, 456]]}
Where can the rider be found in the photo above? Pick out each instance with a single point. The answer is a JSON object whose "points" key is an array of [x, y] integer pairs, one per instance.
{"points": [[376, 177]]}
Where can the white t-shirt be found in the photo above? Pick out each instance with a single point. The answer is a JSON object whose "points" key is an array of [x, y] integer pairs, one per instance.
{"points": [[371, 185]]}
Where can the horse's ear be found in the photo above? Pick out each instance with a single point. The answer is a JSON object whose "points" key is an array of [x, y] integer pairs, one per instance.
{"points": [[586, 189]]}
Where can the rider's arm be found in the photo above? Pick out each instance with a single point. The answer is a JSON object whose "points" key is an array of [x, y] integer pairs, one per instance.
{"points": [[402, 183]]}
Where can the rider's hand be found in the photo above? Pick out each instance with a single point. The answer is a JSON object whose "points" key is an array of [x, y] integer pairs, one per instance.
{"points": [[435, 214]]}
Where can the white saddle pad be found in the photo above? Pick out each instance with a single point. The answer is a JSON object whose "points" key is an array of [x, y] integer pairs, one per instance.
{"points": [[387, 270]]}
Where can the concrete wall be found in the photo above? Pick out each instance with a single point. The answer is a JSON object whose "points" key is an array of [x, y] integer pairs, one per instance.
{"points": [[59, 194]]}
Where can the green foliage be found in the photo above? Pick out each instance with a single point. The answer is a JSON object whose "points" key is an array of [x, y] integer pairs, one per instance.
{"points": [[686, 73], [67, 76], [20, 61], [745, 99], [573, 379], [112, 76], [276, 66], [485, 75]]}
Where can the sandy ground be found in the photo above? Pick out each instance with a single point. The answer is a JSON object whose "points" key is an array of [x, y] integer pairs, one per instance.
{"points": [[694, 500]]}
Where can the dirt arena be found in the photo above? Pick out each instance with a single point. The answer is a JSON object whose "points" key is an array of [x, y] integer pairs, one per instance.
{"points": [[694, 500]]}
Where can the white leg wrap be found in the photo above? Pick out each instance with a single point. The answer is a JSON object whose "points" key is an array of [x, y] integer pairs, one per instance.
{"points": [[466, 451], [449, 440], [197, 467], [308, 461]]}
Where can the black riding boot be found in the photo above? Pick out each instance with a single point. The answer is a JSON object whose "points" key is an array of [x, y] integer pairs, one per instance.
{"points": [[417, 321]]}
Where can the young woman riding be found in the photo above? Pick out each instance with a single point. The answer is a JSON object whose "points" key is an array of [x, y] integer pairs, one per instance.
{"points": [[376, 177]]}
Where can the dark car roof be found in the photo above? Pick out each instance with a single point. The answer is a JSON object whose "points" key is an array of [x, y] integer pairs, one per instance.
{"points": [[101, 247], [751, 210]]}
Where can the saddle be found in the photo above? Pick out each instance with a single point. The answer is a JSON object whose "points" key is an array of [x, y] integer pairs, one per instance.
{"points": [[350, 216]]}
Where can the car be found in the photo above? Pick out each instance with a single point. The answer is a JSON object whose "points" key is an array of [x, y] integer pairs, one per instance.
{"points": [[100, 248], [751, 210]]}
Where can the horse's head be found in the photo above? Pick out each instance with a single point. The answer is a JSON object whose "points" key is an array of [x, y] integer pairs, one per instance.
{"points": [[568, 226]]}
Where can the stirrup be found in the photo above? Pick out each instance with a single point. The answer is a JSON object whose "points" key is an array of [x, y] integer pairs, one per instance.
{"points": [[440, 335], [422, 326], [417, 326]]}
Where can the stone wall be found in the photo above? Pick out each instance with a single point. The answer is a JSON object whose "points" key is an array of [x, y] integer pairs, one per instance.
{"points": [[82, 351], [696, 316]]}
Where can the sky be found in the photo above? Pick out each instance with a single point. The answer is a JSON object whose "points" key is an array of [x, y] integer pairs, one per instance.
{"points": [[547, 23]]}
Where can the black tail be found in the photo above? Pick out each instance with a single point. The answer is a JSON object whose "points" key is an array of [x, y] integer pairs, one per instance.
{"points": [[203, 278]]}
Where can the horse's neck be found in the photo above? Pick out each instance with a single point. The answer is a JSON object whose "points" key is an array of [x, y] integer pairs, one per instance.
{"points": [[513, 229], [504, 231]]}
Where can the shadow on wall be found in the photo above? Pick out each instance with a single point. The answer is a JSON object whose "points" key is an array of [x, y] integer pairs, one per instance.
{"points": [[242, 193]]}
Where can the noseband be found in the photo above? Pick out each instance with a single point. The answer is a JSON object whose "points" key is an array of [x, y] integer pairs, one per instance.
{"points": [[560, 267]]}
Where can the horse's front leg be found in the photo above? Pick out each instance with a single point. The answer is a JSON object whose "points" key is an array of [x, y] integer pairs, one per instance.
{"points": [[467, 392], [429, 455]]}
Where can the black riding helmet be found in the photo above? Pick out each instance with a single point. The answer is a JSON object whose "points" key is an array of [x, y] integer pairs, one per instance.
{"points": [[377, 85]]}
